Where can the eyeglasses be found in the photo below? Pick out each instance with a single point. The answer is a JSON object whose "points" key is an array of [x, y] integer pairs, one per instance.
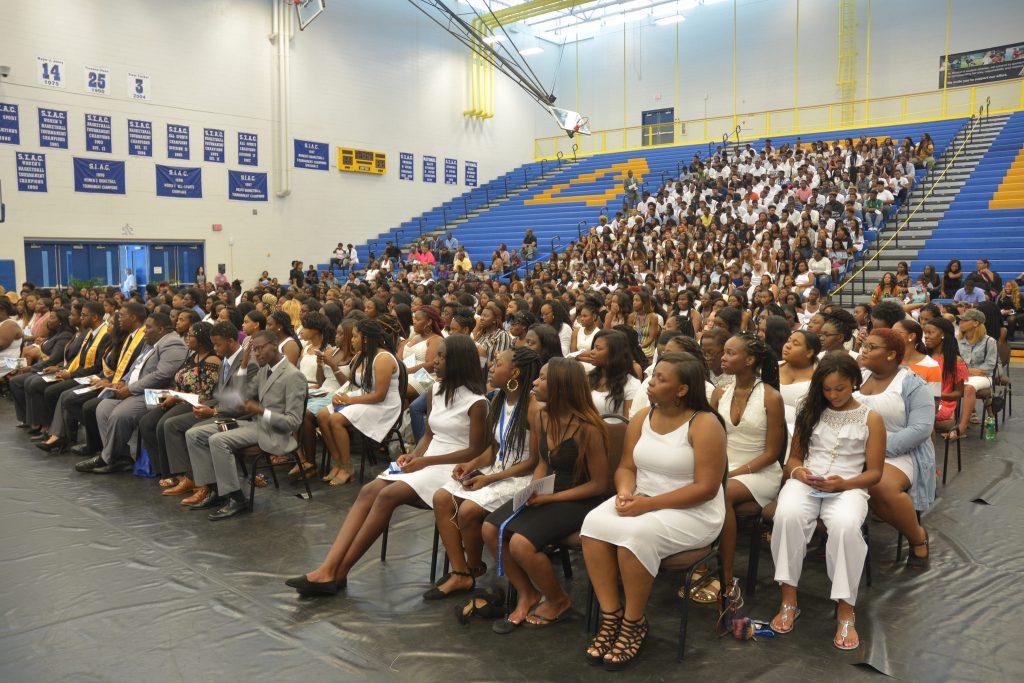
{"points": [[871, 347]]}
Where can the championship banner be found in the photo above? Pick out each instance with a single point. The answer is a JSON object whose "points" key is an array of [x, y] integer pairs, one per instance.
{"points": [[140, 138], [429, 169], [311, 155], [247, 186], [9, 131], [98, 133], [31, 171], [992, 64], [405, 170], [176, 181], [53, 128], [177, 142], [213, 145], [99, 176], [248, 149]]}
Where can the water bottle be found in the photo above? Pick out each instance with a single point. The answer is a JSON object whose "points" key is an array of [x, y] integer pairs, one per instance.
{"points": [[990, 428]]}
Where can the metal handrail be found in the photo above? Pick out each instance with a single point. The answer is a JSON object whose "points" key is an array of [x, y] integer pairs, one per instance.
{"points": [[878, 251]]}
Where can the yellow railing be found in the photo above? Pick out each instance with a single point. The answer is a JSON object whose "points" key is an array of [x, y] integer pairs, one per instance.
{"points": [[933, 105]]}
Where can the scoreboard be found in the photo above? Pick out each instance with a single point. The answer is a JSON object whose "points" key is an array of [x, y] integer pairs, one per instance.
{"points": [[362, 161]]}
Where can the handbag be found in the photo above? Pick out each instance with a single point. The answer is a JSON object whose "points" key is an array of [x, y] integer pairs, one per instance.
{"points": [[142, 467]]}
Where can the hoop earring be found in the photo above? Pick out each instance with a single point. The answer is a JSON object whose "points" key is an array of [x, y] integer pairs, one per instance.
{"points": [[512, 385]]}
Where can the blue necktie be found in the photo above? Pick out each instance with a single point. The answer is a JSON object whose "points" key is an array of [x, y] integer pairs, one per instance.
{"points": [[225, 374]]}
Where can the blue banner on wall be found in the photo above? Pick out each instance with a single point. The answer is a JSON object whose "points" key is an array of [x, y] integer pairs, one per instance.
{"points": [[53, 128], [177, 141], [9, 131], [140, 138], [99, 176], [405, 162], [176, 181], [248, 149], [429, 169], [451, 171], [31, 171], [311, 155], [470, 173], [98, 133], [213, 145], [247, 186]]}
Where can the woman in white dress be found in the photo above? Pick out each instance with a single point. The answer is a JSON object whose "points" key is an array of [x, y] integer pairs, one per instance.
{"points": [[612, 383], [10, 331], [836, 455], [483, 484], [587, 318], [668, 499], [755, 424], [280, 323], [799, 354], [553, 313], [420, 349], [907, 407], [456, 433], [373, 403]]}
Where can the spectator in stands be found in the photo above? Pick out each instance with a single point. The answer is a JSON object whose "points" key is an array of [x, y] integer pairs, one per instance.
{"points": [[971, 294], [987, 279], [631, 188], [1010, 307], [529, 246], [462, 261], [887, 288], [951, 279], [295, 275], [924, 153]]}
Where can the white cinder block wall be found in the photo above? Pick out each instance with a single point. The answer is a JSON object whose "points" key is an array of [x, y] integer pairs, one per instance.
{"points": [[385, 80]]}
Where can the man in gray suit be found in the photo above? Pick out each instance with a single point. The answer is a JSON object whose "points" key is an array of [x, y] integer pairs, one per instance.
{"points": [[118, 415], [236, 377], [280, 399]]}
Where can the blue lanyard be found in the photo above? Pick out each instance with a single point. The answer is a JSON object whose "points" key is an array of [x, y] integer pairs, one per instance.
{"points": [[502, 435]]}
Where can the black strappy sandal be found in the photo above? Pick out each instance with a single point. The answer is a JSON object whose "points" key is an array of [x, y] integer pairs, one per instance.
{"points": [[493, 607], [916, 562], [607, 633], [435, 593], [629, 644]]}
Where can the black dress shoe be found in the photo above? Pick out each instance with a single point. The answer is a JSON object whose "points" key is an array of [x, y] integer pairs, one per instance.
{"points": [[81, 449], [91, 464], [55, 447], [212, 500], [305, 587], [233, 508], [34, 432], [119, 465]]}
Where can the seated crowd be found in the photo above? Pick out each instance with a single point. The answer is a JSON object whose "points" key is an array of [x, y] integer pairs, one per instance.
{"points": [[738, 391]]}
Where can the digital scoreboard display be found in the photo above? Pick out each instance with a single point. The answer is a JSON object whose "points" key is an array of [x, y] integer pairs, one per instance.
{"points": [[361, 161]]}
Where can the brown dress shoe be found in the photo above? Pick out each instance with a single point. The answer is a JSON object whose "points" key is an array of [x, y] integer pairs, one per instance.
{"points": [[200, 493], [183, 486]]}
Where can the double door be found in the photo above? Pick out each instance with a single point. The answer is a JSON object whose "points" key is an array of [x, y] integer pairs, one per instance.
{"points": [[59, 263]]}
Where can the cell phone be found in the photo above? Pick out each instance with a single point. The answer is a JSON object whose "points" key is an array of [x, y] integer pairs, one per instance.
{"points": [[470, 475], [814, 477], [394, 468]]}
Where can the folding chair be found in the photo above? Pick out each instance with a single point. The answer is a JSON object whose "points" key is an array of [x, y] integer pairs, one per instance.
{"points": [[258, 455]]}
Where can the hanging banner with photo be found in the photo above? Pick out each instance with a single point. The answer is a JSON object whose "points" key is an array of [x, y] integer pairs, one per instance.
{"points": [[405, 169], [451, 171], [31, 171], [140, 138], [99, 176], [982, 66], [176, 181], [429, 169], [53, 128], [248, 149], [470, 173], [311, 155], [213, 145], [9, 131], [98, 133], [177, 142], [247, 186]]}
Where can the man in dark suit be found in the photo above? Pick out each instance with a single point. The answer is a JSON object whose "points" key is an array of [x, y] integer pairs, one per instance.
{"points": [[237, 374], [42, 398], [118, 415], [280, 399], [59, 357]]}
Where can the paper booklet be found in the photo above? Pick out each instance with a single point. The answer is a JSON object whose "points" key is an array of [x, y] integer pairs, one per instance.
{"points": [[540, 487], [155, 396], [87, 380]]}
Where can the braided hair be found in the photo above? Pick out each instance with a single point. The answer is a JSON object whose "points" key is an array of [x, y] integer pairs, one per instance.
{"points": [[949, 351], [529, 364], [766, 364], [837, 362], [375, 339], [392, 330], [285, 322]]}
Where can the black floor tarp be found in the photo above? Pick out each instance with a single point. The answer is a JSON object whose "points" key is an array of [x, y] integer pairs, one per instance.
{"points": [[104, 579]]}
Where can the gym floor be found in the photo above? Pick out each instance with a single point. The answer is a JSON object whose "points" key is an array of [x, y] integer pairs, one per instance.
{"points": [[104, 579]]}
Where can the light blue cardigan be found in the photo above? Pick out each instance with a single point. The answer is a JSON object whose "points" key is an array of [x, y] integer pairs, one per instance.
{"points": [[916, 439]]}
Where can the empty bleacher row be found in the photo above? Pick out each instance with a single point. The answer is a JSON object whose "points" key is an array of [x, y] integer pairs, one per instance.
{"points": [[986, 220]]}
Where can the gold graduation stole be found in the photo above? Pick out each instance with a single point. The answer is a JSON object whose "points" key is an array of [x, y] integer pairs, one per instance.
{"points": [[128, 349], [89, 349]]}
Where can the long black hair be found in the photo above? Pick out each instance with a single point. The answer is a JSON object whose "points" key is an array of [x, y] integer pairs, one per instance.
{"points": [[285, 321], [461, 367], [692, 346], [528, 362], [559, 313], [550, 344], [814, 404], [766, 364], [617, 369], [690, 372], [776, 332], [950, 349], [404, 315], [201, 331], [319, 322], [375, 340]]}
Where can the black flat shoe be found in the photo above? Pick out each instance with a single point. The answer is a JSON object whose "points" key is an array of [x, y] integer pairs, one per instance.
{"points": [[119, 465], [91, 464], [41, 436], [915, 562], [81, 449], [308, 588], [232, 508], [57, 446], [34, 431], [436, 593]]}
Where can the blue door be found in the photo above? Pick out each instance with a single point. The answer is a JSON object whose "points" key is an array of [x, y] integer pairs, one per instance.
{"points": [[658, 127], [162, 263], [103, 263], [135, 257], [190, 257], [73, 258], [41, 263]]}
